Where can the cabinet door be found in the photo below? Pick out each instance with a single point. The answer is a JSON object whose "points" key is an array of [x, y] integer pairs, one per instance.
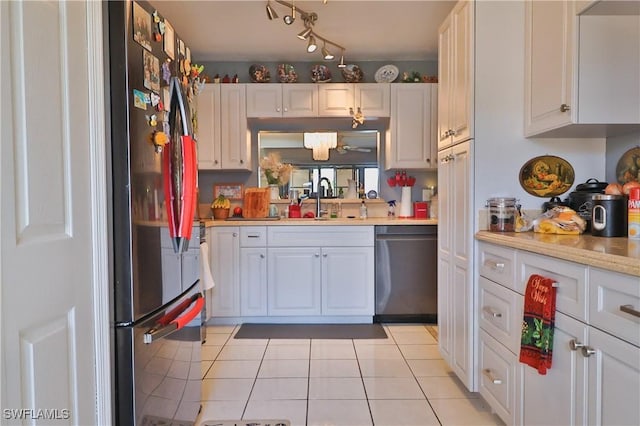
{"points": [[445, 47], [171, 273], [235, 138], [614, 381], [373, 99], [225, 268], [411, 123], [299, 100], [461, 202], [264, 100], [559, 396], [444, 255], [549, 53], [208, 133], [253, 281], [462, 72], [293, 281], [335, 99], [190, 267], [347, 281]]}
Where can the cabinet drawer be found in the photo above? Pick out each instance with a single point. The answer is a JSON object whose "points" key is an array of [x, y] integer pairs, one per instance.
{"points": [[253, 236], [501, 313], [497, 382], [615, 304], [325, 236], [498, 264], [571, 279]]}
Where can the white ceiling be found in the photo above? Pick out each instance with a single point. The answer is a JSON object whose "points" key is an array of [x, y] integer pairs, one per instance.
{"points": [[239, 31]]}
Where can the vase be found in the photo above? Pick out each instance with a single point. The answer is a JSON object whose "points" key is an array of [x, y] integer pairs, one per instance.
{"points": [[275, 191]]}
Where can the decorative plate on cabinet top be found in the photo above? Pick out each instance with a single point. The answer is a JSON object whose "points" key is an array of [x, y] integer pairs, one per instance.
{"points": [[320, 74], [352, 74], [546, 176], [628, 167], [259, 74], [287, 74], [386, 74]]}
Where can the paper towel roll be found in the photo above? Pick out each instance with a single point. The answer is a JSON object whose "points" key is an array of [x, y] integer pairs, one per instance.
{"points": [[405, 202], [206, 279]]}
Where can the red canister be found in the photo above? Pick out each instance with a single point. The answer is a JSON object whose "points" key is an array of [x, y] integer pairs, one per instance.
{"points": [[420, 210], [633, 218]]}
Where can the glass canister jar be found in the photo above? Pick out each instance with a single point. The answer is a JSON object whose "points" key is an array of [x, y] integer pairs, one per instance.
{"points": [[501, 214]]}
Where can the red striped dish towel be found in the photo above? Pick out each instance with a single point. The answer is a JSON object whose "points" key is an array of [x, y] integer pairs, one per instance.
{"points": [[536, 343]]}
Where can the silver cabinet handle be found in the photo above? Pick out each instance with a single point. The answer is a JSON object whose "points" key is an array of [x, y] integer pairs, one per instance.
{"points": [[325, 255], [487, 372], [574, 345], [215, 161], [241, 161], [253, 236], [235, 234], [286, 109], [317, 254], [564, 108], [628, 309], [277, 109], [489, 311], [451, 157], [261, 256], [494, 265], [587, 351]]}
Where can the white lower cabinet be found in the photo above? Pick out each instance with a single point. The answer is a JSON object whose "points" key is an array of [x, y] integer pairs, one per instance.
{"points": [[294, 281], [224, 258], [595, 374], [347, 274], [253, 281]]}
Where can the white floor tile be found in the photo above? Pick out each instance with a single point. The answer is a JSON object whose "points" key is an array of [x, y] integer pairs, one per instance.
{"points": [[412, 412], [420, 351], [444, 387], [204, 367], [293, 410], [279, 388], [247, 342], [290, 351], [348, 342], [392, 388], [216, 339], [405, 328], [414, 338], [274, 368], [334, 368], [210, 352], [242, 369], [241, 352], [429, 367], [458, 412], [226, 389], [220, 329], [221, 410], [336, 388], [378, 352], [384, 368], [289, 342], [387, 341], [330, 350], [338, 413]]}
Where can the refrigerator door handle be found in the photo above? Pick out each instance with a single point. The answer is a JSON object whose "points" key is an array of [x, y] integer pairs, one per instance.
{"points": [[172, 321]]}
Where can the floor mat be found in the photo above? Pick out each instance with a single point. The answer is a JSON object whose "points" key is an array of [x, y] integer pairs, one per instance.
{"points": [[311, 331]]}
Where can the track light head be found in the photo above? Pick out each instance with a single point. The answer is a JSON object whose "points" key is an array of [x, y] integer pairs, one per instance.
{"points": [[304, 33], [312, 46], [342, 64], [326, 54], [271, 14]]}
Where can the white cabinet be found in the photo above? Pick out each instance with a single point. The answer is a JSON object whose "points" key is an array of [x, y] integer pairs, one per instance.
{"points": [[282, 100], [223, 138], [579, 70], [455, 247], [455, 75], [294, 281], [412, 137], [338, 99], [253, 271], [347, 274], [224, 243]]}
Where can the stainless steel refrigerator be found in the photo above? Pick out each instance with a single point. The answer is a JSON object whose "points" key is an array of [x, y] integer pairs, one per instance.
{"points": [[157, 298]]}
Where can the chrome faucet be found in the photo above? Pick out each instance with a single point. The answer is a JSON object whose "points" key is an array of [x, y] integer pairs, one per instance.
{"points": [[319, 210]]}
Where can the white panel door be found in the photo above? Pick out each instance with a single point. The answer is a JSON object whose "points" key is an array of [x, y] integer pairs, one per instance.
{"points": [[347, 281], [48, 252], [208, 132]]}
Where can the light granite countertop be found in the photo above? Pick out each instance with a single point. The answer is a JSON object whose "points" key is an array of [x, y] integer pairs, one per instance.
{"points": [[323, 222], [614, 254]]}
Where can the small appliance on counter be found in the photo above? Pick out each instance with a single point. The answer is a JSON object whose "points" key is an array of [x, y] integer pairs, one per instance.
{"points": [[609, 215], [502, 214]]}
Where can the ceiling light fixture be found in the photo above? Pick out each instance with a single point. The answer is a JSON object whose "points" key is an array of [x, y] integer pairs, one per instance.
{"points": [[271, 14], [342, 64], [309, 19], [320, 143]]}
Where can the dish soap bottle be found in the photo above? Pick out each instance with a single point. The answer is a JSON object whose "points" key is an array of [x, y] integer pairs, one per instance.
{"points": [[363, 210], [391, 212]]}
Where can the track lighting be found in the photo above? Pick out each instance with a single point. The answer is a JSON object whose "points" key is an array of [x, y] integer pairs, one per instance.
{"points": [[312, 46], [271, 14], [308, 33]]}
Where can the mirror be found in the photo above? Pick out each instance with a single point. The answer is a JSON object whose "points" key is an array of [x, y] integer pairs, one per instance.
{"points": [[355, 157]]}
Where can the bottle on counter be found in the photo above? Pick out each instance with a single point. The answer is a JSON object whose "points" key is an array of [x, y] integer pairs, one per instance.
{"points": [[363, 210], [391, 211], [633, 221]]}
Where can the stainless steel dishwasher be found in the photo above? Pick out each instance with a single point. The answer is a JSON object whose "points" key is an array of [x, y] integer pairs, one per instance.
{"points": [[406, 273]]}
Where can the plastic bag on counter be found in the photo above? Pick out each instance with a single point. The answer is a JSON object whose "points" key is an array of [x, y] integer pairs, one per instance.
{"points": [[523, 222], [559, 220]]}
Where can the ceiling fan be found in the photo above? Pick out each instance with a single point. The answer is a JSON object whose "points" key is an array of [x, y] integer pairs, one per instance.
{"points": [[343, 149]]}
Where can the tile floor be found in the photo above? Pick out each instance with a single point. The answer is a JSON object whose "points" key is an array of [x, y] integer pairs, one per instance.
{"points": [[401, 380]]}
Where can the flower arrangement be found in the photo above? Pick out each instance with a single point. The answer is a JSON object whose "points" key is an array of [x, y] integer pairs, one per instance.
{"points": [[275, 171]]}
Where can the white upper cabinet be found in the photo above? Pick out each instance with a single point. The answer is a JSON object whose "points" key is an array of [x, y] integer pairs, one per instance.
{"points": [[339, 99], [580, 70], [282, 100], [455, 76], [222, 135], [411, 141]]}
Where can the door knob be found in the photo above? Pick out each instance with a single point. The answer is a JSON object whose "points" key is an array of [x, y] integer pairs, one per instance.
{"points": [[587, 351], [564, 108], [574, 345]]}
